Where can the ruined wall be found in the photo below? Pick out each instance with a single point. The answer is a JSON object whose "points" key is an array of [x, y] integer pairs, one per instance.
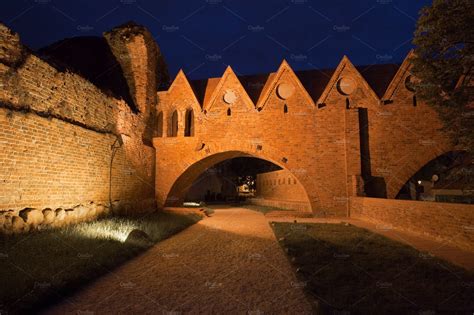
{"points": [[141, 61], [446, 222], [282, 190], [56, 137]]}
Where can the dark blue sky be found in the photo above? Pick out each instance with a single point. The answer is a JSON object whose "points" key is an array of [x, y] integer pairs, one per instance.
{"points": [[253, 36]]}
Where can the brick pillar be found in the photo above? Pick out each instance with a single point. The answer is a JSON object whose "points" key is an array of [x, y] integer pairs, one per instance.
{"points": [[12, 52], [141, 61], [352, 151]]}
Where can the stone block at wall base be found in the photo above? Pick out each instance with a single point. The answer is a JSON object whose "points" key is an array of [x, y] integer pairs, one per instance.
{"points": [[30, 219]]}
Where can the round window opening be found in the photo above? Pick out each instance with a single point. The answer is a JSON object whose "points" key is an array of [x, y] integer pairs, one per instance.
{"points": [[230, 97], [285, 90], [409, 84], [346, 86]]}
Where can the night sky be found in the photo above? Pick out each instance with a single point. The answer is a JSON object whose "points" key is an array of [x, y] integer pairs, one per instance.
{"points": [[253, 36]]}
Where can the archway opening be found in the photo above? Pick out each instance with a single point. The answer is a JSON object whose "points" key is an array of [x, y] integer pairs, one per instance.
{"points": [[237, 177], [229, 181], [447, 178]]}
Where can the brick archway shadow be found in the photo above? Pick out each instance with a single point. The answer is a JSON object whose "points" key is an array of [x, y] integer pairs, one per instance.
{"points": [[414, 166], [178, 190]]}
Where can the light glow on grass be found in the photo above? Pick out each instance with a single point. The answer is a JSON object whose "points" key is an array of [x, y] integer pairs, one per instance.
{"points": [[112, 229], [191, 204]]}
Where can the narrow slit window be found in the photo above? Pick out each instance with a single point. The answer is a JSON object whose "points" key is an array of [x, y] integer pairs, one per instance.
{"points": [[173, 126], [189, 123]]}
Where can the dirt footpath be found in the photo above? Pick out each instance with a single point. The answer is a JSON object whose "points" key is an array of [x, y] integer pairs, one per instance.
{"points": [[229, 263]]}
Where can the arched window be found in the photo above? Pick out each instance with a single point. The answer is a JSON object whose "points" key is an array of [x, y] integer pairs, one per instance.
{"points": [[173, 125], [229, 112], [189, 123], [414, 100], [159, 125], [285, 109]]}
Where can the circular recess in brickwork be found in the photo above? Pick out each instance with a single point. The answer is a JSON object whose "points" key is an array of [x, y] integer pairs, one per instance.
{"points": [[285, 90], [230, 97], [346, 85], [409, 84]]}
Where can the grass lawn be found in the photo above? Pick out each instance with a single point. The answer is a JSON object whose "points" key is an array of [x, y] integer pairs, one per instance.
{"points": [[41, 267], [354, 271]]}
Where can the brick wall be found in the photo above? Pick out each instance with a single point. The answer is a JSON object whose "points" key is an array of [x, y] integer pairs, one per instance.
{"points": [[449, 222], [56, 133], [282, 190]]}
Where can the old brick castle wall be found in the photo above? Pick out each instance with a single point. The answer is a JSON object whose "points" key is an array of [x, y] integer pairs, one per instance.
{"points": [[281, 189], [339, 136], [71, 149], [447, 222], [56, 138]]}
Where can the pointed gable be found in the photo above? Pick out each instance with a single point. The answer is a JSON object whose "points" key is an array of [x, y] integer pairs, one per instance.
{"points": [[345, 66], [229, 80], [181, 83], [283, 70], [399, 77]]}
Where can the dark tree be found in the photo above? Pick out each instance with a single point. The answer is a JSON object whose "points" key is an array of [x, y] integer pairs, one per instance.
{"points": [[443, 64]]}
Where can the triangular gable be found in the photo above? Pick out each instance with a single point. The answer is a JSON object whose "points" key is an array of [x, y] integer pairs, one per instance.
{"points": [[182, 80], [229, 74], [399, 76], [272, 82], [344, 64]]}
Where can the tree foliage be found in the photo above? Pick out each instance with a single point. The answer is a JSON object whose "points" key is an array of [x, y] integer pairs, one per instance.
{"points": [[443, 64]]}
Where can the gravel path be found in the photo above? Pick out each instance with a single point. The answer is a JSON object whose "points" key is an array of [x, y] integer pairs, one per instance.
{"points": [[229, 263]]}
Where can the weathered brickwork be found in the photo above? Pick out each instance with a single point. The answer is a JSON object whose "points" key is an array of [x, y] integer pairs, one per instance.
{"points": [[350, 140], [140, 58], [56, 137], [446, 222], [70, 152], [289, 140], [282, 190]]}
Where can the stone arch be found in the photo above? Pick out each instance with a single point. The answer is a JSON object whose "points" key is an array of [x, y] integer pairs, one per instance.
{"points": [[410, 169], [173, 124], [174, 195]]}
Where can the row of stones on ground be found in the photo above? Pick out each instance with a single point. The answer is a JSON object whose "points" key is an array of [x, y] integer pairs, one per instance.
{"points": [[31, 219]]}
